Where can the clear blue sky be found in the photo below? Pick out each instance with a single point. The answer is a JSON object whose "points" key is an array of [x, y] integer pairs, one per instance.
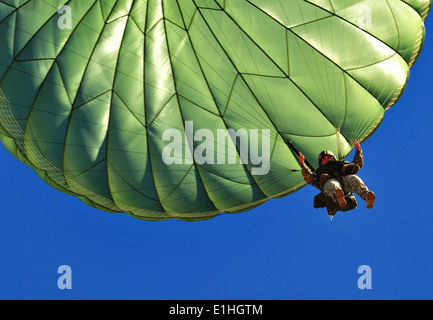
{"points": [[284, 249]]}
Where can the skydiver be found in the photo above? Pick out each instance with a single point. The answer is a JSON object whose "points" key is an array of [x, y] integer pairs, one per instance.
{"points": [[337, 180]]}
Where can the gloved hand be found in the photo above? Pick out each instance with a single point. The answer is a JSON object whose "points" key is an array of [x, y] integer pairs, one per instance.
{"points": [[357, 145], [301, 158]]}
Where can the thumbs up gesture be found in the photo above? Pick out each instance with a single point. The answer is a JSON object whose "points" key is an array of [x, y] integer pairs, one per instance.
{"points": [[357, 145], [301, 158]]}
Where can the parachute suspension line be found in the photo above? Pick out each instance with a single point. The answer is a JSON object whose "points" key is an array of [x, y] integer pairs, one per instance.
{"points": [[296, 152]]}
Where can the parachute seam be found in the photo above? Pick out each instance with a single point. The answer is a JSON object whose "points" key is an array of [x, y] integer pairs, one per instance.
{"points": [[49, 71], [318, 83], [9, 5], [192, 19], [81, 80], [92, 99], [354, 25], [118, 18], [107, 134], [367, 89], [224, 178], [332, 6], [160, 110], [145, 107], [178, 185], [107, 17], [290, 144], [222, 115], [81, 172], [175, 24], [396, 27], [197, 170], [317, 51], [29, 115], [232, 89], [240, 73], [136, 24], [134, 78], [62, 176], [231, 85], [245, 36], [51, 171], [416, 53], [139, 190], [178, 103], [232, 110], [287, 76], [87, 121], [298, 25], [144, 74], [361, 30], [10, 67], [373, 64], [154, 25], [16, 55], [309, 136], [199, 174], [197, 105], [16, 9]]}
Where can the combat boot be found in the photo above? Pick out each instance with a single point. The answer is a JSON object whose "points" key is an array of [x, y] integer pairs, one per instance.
{"points": [[369, 198], [339, 196]]}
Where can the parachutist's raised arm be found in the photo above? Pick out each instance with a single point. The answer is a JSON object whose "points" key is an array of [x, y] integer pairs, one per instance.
{"points": [[301, 159], [309, 177], [358, 158]]}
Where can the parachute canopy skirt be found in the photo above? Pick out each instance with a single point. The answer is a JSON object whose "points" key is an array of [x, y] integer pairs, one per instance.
{"points": [[144, 106]]}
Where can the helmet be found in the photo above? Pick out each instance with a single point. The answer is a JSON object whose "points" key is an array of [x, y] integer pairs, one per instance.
{"points": [[325, 153]]}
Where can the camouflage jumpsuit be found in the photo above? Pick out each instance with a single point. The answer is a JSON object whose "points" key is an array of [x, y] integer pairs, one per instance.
{"points": [[347, 182]]}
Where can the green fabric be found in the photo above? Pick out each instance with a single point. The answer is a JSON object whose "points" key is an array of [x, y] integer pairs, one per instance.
{"points": [[87, 106]]}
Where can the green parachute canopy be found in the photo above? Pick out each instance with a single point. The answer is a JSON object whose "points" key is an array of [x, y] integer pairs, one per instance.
{"points": [[189, 108]]}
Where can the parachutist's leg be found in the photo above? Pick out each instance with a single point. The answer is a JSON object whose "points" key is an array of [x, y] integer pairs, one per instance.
{"points": [[332, 188], [353, 183]]}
